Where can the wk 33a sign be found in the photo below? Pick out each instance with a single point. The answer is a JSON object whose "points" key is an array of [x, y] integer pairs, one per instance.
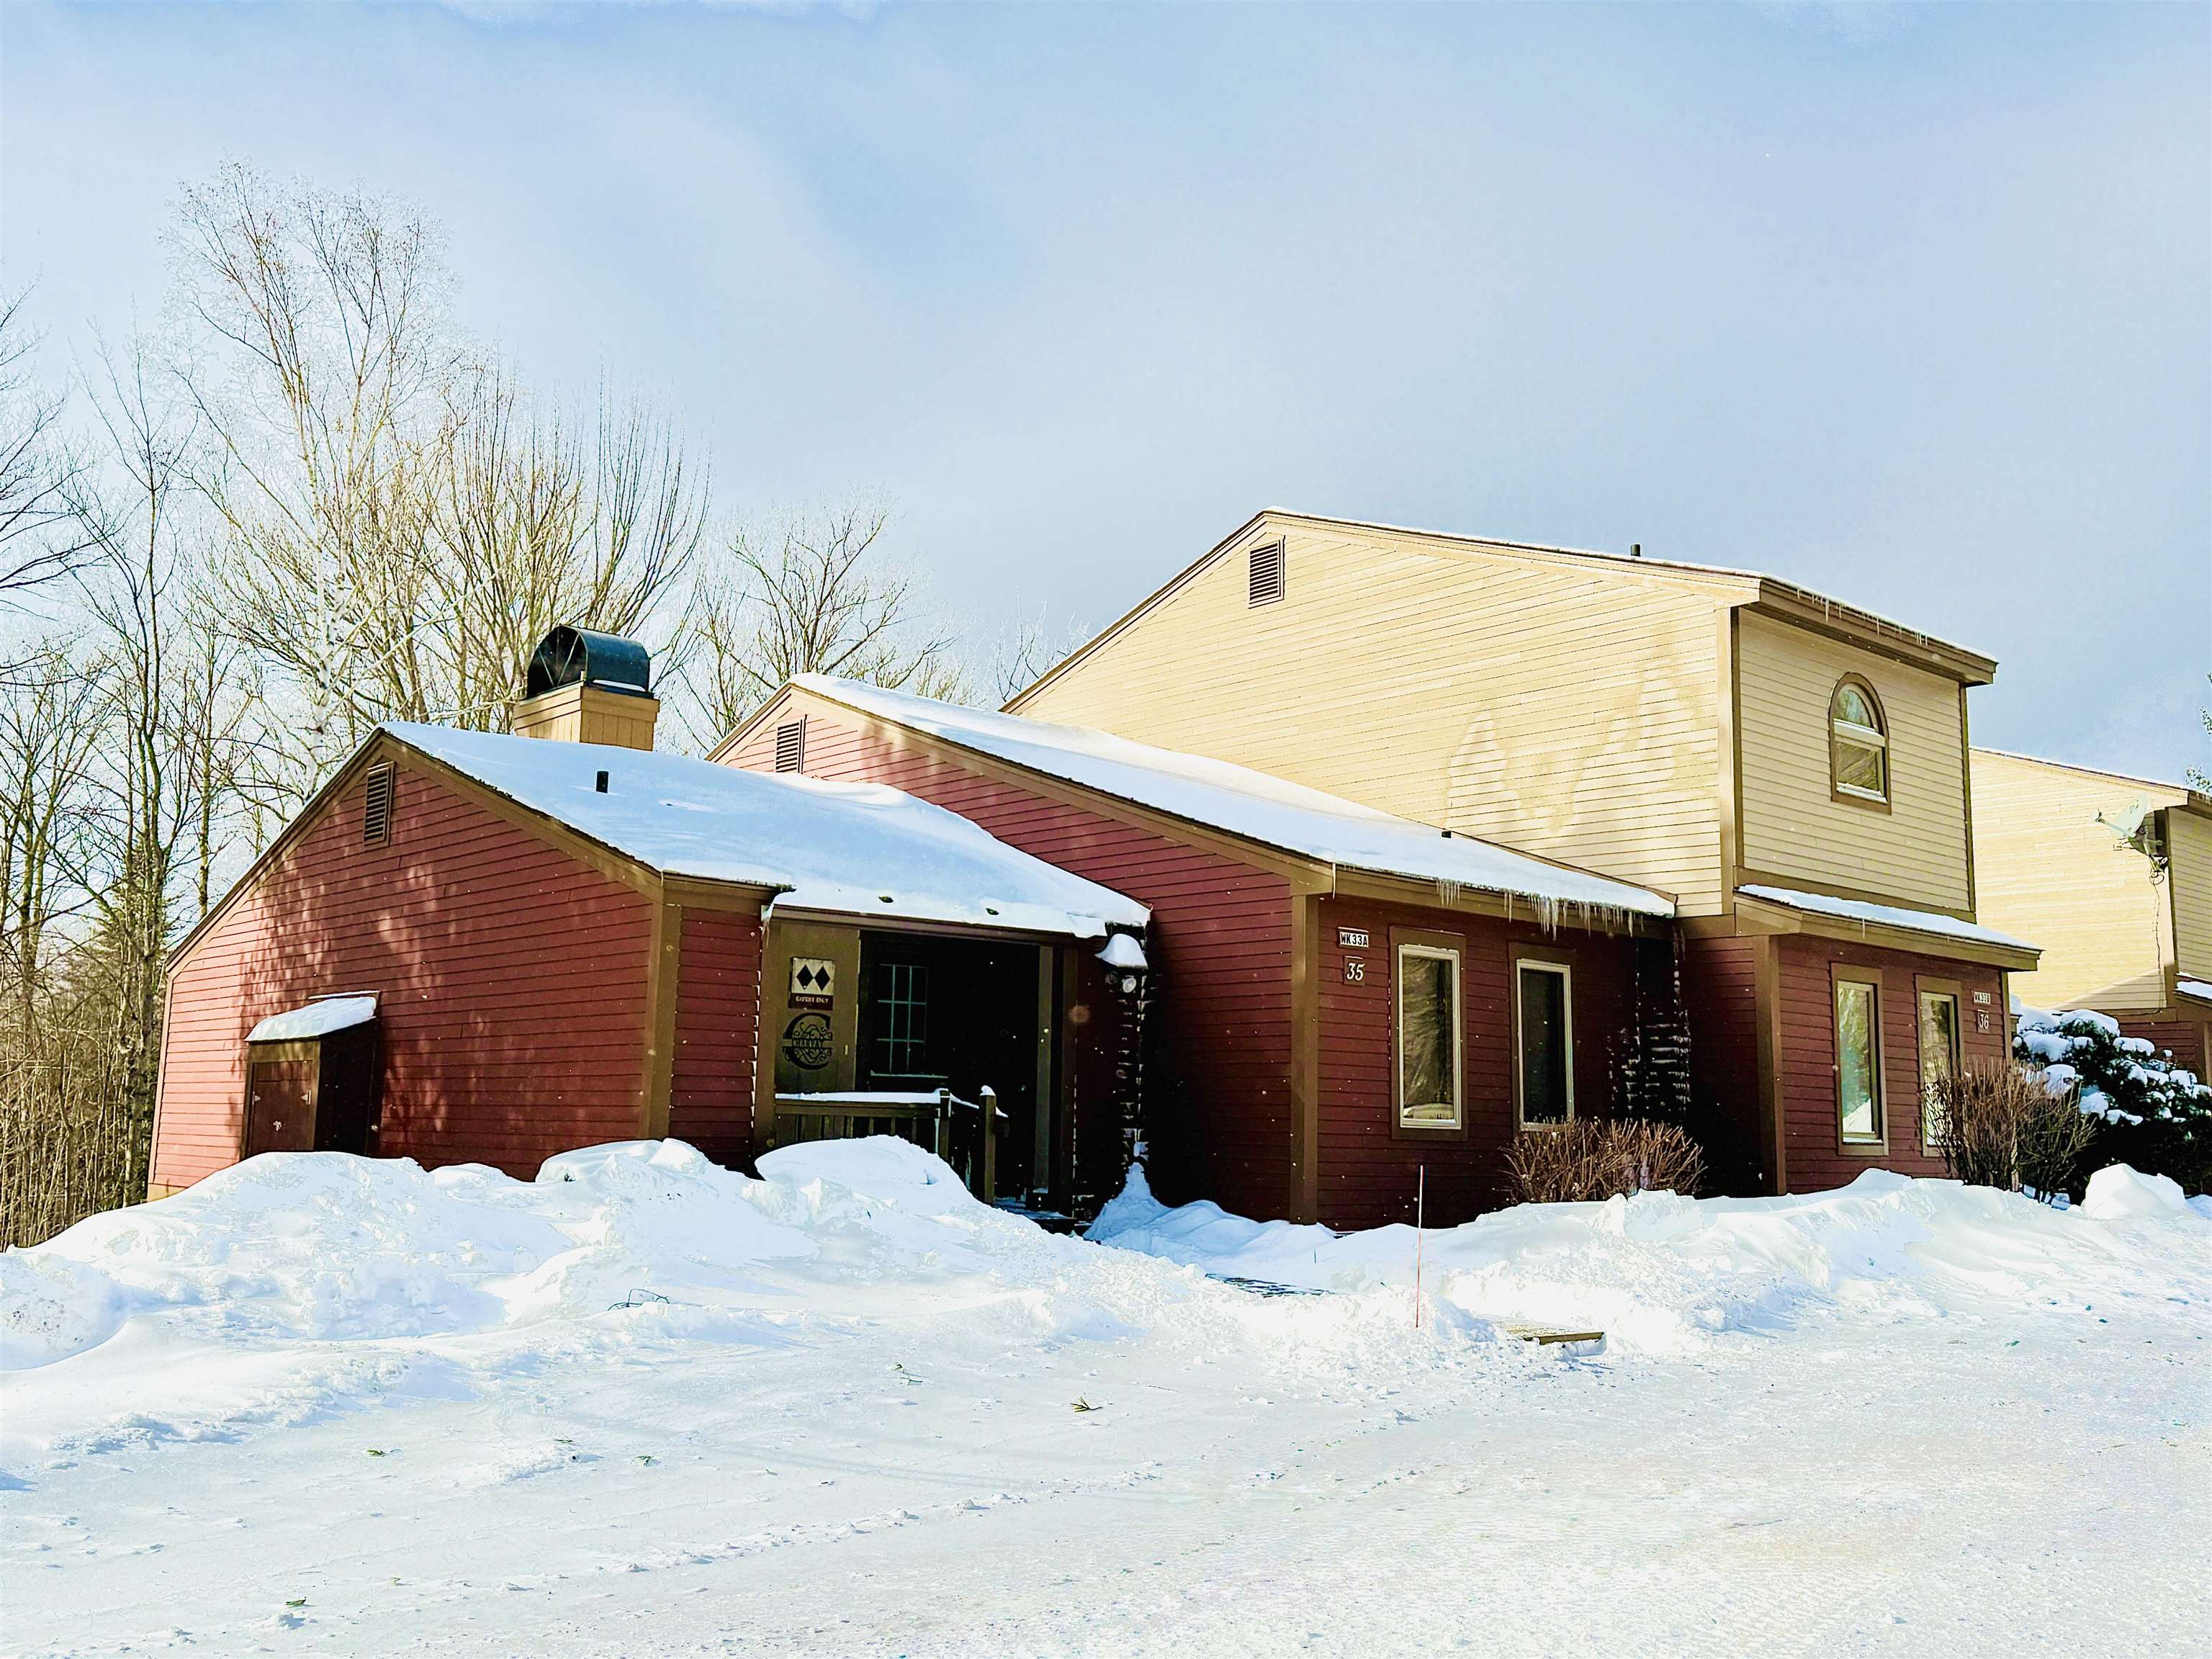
{"points": [[1353, 939]]}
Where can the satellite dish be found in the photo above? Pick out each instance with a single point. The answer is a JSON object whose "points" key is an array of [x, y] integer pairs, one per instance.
{"points": [[2136, 831], [2128, 824]]}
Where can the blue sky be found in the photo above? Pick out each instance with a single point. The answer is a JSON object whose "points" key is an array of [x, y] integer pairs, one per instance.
{"points": [[1913, 305]]}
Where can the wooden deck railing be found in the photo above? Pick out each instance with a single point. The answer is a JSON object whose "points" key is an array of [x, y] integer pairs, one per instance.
{"points": [[963, 1133]]}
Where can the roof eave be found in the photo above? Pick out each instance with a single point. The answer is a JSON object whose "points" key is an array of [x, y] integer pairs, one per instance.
{"points": [[1772, 916]]}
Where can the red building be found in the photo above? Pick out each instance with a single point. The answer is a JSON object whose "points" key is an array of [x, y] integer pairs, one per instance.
{"points": [[1339, 998], [490, 949]]}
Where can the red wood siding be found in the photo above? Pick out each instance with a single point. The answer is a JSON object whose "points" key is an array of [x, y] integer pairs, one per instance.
{"points": [[710, 1101], [1720, 990], [1368, 1175], [1816, 1157], [2190, 1041], [510, 977], [1218, 1109]]}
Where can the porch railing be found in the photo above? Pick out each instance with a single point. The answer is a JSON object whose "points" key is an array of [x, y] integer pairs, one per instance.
{"points": [[963, 1133]]}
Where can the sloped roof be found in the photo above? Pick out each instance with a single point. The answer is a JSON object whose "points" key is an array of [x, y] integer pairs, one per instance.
{"points": [[2179, 795], [1933, 923], [849, 848], [1237, 800], [1772, 595]]}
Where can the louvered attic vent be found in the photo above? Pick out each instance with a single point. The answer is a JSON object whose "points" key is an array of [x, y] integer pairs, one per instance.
{"points": [[1268, 574], [791, 746], [376, 804]]}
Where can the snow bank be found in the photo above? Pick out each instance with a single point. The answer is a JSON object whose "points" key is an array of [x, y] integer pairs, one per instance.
{"points": [[327, 1247], [327, 1250], [1660, 1274]]}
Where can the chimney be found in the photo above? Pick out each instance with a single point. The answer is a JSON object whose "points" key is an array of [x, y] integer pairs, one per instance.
{"points": [[589, 687]]}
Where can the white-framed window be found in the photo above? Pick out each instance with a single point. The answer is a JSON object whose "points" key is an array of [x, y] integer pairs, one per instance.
{"points": [[1858, 1058], [1940, 1054], [1544, 1041], [1430, 1041], [1858, 744]]}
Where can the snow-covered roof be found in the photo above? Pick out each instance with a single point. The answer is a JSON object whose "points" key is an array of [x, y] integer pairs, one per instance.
{"points": [[1251, 805], [319, 1018], [849, 848], [2194, 987], [1888, 915]]}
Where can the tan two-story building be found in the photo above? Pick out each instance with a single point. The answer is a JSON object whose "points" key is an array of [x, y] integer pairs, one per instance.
{"points": [[1793, 770], [2112, 876]]}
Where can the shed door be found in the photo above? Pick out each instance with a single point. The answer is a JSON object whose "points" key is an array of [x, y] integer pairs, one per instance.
{"points": [[280, 1106]]}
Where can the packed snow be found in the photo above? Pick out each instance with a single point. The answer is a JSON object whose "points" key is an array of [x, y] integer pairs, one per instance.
{"points": [[321, 1017], [1932, 922], [1254, 804], [643, 1405], [847, 849]]}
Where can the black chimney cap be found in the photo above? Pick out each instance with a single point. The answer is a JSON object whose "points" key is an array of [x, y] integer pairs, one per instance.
{"points": [[568, 656]]}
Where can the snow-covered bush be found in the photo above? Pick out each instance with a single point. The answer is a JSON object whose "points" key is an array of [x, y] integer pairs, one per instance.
{"points": [[1999, 1125], [1587, 1160], [2149, 1112]]}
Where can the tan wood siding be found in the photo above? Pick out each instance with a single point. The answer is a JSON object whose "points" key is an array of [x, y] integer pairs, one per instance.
{"points": [[2048, 873], [1794, 831], [1569, 710], [2189, 838]]}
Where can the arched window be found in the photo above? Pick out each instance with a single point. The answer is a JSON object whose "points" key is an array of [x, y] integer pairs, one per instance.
{"points": [[1858, 744]]}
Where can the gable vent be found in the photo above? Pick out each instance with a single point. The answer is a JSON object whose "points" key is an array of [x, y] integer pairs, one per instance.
{"points": [[791, 746], [1267, 574], [376, 804]]}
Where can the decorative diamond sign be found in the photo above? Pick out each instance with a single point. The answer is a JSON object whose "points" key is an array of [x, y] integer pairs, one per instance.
{"points": [[814, 981]]}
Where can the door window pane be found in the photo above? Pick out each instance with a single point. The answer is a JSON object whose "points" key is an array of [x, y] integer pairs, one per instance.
{"points": [[902, 1019], [1939, 1054], [1858, 1082], [1428, 1038], [1546, 1046]]}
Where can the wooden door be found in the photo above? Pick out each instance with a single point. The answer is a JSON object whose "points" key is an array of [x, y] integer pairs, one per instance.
{"points": [[280, 1106]]}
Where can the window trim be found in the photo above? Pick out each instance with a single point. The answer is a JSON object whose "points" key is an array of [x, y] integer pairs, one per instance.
{"points": [[1926, 986], [1850, 793], [1421, 942], [1840, 973], [1542, 961]]}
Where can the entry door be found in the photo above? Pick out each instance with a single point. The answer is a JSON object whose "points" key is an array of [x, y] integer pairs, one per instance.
{"points": [[280, 1106]]}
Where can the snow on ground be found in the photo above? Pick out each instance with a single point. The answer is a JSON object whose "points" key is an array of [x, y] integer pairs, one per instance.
{"points": [[324, 1405]]}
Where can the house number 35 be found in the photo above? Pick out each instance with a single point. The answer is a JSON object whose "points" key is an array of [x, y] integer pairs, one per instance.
{"points": [[1355, 969]]}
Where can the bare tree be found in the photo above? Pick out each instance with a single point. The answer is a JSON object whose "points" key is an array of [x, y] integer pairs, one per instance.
{"points": [[401, 526], [535, 528], [812, 594], [2201, 777], [330, 387], [39, 537], [1022, 655]]}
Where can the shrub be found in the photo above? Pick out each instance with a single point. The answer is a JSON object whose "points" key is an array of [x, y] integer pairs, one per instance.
{"points": [[2145, 1110], [1999, 1125], [1588, 1160]]}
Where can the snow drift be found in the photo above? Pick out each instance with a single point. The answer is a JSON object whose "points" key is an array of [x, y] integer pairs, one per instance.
{"points": [[326, 1248], [1659, 1273]]}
